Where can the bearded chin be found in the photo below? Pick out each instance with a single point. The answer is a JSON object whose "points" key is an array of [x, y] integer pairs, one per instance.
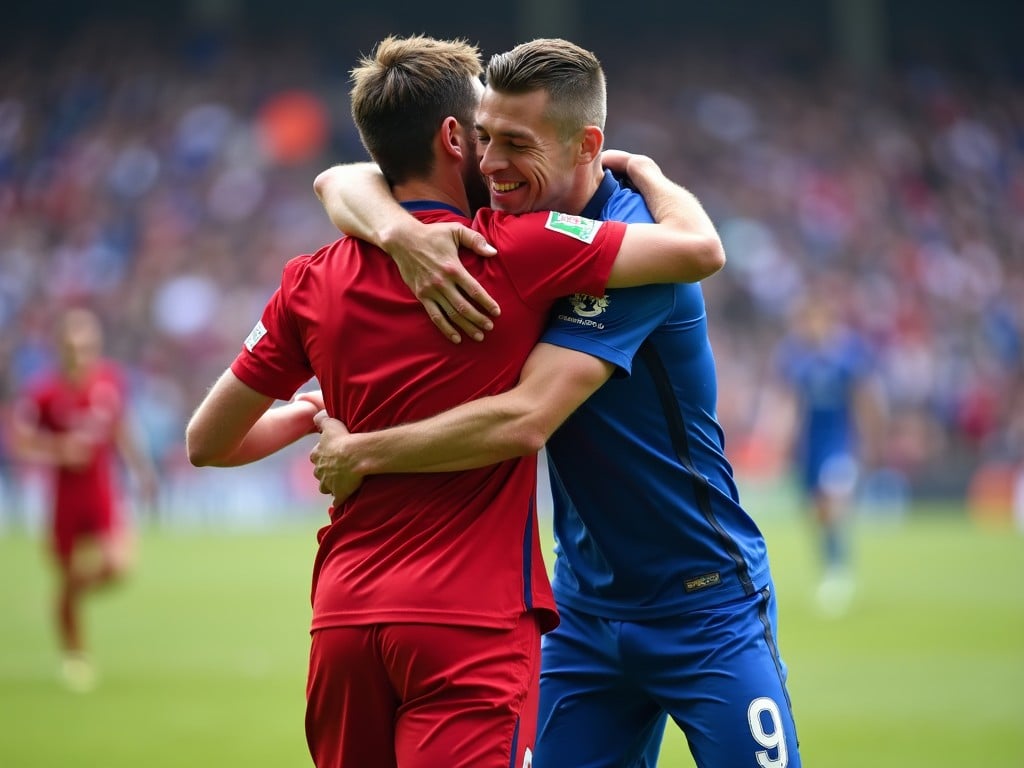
{"points": [[476, 191]]}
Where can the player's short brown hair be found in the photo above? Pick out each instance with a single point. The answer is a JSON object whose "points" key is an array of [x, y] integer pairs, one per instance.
{"points": [[403, 91], [571, 75]]}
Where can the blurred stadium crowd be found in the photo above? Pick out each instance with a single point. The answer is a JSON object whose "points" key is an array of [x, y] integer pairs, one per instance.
{"points": [[166, 184]]}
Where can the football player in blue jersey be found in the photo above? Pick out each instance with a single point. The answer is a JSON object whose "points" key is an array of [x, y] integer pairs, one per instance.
{"points": [[662, 579], [835, 408]]}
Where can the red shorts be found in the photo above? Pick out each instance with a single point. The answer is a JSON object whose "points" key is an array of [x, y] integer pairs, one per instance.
{"points": [[74, 522], [423, 696]]}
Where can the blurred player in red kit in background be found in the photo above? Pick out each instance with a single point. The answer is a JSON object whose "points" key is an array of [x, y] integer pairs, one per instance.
{"points": [[74, 420]]}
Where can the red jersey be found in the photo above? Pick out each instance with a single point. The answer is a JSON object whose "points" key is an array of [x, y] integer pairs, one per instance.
{"points": [[85, 499], [456, 547]]}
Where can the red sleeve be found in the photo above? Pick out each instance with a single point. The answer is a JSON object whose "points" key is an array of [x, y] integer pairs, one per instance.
{"points": [[549, 255], [273, 358]]}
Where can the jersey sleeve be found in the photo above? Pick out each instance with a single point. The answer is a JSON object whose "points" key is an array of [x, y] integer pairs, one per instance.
{"points": [[549, 255], [273, 359], [611, 326]]}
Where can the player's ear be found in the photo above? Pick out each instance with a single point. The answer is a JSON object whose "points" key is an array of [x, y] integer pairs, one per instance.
{"points": [[453, 137], [591, 144]]}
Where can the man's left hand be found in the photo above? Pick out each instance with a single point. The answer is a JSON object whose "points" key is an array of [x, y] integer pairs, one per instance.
{"points": [[331, 460]]}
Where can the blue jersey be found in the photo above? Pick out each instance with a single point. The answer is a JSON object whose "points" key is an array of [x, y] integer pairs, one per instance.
{"points": [[825, 378], [647, 517]]}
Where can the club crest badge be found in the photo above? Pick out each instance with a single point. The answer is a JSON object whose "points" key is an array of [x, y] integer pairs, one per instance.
{"points": [[584, 305]]}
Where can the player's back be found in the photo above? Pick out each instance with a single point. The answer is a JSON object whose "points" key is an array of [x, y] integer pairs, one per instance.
{"points": [[458, 547]]}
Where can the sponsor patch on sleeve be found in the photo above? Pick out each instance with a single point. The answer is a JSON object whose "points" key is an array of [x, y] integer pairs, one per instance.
{"points": [[573, 226], [257, 333]]}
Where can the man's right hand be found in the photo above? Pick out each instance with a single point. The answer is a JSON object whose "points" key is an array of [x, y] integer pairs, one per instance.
{"points": [[331, 461], [628, 164], [427, 256]]}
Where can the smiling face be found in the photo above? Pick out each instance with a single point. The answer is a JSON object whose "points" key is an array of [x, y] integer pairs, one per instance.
{"points": [[528, 165]]}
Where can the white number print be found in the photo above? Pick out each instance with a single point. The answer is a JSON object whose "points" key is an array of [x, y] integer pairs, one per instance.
{"points": [[773, 739]]}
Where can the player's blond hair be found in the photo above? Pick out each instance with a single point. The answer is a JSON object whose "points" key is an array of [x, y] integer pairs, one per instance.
{"points": [[403, 91], [571, 75]]}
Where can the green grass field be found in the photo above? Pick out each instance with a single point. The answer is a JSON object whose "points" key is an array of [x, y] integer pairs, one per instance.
{"points": [[203, 653]]}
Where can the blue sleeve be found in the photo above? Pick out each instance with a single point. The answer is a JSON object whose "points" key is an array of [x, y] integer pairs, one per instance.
{"points": [[613, 326]]}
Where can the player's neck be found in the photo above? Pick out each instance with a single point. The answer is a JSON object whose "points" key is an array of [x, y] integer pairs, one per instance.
{"points": [[588, 181], [453, 194]]}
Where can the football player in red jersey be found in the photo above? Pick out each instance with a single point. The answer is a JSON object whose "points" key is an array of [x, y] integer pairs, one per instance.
{"points": [[74, 420]]}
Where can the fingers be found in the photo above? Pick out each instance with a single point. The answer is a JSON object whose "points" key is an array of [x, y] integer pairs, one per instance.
{"points": [[439, 317], [316, 397], [470, 238], [450, 315], [318, 470], [458, 301], [455, 302], [473, 322], [464, 313], [615, 160], [465, 282], [318, 421], [329, 472], [469, 296], [325, 423], [339, 491]]}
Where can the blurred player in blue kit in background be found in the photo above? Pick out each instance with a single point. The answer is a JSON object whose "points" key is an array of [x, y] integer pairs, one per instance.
{"points": [[661, 577], [835, 410]]}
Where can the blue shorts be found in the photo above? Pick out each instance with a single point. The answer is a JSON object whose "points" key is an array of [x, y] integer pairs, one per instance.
{"points": [[832, 472], [607, 685]]}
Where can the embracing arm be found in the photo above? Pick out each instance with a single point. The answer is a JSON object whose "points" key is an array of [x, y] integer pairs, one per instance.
{"points": [[359, 202], [235, 425], [683, 247], [554, 382]]}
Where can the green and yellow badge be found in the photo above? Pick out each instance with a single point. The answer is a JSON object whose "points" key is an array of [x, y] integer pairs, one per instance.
{"points": [[573, 226]]}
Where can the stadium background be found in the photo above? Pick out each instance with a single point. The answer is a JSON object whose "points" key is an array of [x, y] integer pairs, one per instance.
{"points": [[156, 163]]}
